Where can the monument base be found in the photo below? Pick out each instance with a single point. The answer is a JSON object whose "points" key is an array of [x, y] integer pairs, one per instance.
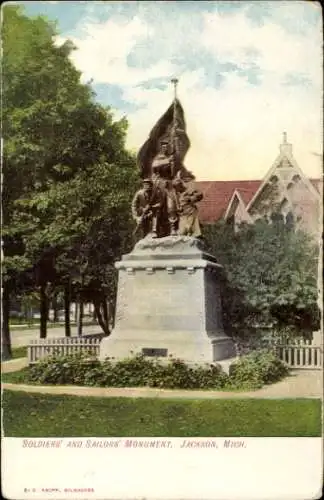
{"points": [[191, 347], [168, 304]]}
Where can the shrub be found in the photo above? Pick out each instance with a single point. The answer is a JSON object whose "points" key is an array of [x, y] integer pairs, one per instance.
{"points": [[251, 371], [130, 372], [257, 369], [67, 369], [138, 371]]}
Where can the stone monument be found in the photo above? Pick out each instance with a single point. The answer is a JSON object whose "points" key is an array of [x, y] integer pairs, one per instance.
{"points": [[169, 296]]}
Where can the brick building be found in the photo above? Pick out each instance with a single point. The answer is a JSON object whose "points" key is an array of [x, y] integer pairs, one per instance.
{"points": [[285, 192]]}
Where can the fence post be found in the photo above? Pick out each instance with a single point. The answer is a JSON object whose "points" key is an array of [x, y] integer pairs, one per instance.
{"points": [[40, 348], [302, 356]]}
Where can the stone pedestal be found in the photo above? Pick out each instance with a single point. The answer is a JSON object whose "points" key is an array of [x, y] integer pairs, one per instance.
{"points": [[168, 304]]}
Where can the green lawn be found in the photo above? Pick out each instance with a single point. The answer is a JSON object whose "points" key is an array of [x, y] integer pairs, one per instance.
{"points": [[32, 326], [28, 325], [17, 377], [40, 415], [22, 321], [19, 352]]}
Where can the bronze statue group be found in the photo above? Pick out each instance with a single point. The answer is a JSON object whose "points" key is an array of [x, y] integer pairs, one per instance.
{"points": [[166, 205]]}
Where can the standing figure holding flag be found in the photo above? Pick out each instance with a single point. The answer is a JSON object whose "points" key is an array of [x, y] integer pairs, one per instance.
{"points": [[161, 160]]}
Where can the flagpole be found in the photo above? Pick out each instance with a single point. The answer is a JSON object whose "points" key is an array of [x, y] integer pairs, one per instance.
{"points": [[174, 81]]}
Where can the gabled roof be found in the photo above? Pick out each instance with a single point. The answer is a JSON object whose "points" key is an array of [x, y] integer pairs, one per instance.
{"points": [[217, 195], [285, 155], [235, 202], [317, 183]]}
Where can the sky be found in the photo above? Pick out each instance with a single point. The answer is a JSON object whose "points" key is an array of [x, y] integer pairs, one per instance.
{"points": [[248, 71]]}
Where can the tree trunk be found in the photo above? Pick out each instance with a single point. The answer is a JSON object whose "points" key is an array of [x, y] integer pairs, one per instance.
{"points": [[43, 312], [76, 311], [6, 352], [67, 310], [104, 325], [80, 317], [25, 312], [30, 314], [55, 309]]}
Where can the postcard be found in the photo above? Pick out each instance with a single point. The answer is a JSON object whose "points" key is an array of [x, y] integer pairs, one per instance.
{"points": [[162, 328]]}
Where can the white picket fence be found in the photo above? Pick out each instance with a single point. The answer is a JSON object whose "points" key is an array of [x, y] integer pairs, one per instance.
{"points": [[298, 355], [301, 356], [296, 341], [41, 348]]}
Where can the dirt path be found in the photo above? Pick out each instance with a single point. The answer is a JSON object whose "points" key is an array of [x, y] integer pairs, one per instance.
{"points": [[299, 384]]}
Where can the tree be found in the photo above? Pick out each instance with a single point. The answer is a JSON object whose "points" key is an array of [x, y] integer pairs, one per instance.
{"points": [[29, 89], [271, 276], [56, 138], [90, 234]]}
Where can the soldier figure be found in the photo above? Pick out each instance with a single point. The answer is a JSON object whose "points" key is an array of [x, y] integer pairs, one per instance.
{"points": [[156, 207], [161, 176], [189, 222], [161, 167], [172, 207], [146, 207]]}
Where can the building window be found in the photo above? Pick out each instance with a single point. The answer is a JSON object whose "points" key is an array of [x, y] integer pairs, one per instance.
{"points": [[231, 220], [277, 218], [296, 178], [284, 206], [290, 221]]}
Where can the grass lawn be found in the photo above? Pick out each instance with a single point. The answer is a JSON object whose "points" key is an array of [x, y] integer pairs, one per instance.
{"points": [[28, 325], [19, 352], [17, 377], [60, 324], [40, 415]]}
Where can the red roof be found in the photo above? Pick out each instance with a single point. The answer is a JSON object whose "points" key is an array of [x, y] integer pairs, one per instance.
{"points": [[217, 195]]}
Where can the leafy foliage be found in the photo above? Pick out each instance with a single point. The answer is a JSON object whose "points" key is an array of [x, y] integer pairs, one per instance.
{"points": [[250, 371], [68, 179], [257, 369], [63, 369], [271, 276], [135, 371]]}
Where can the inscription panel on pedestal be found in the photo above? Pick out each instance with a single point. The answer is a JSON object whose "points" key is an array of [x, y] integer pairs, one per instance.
{"points": [[160, 300], [155, 352]]}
